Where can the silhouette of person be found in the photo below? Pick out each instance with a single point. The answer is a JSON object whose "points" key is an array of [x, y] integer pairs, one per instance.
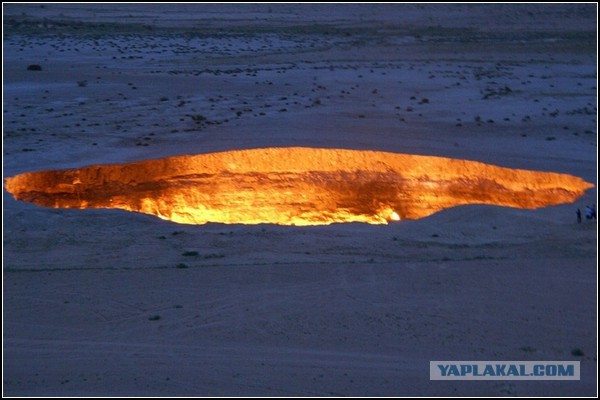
{"points": [[578, 216], [588, 212]]}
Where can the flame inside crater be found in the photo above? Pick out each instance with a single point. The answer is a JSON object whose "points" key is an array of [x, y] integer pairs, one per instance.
{"points": [[294, 186]]}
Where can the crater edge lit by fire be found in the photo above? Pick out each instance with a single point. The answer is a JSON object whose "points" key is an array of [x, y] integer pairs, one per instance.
{"points": [[294, 186]]}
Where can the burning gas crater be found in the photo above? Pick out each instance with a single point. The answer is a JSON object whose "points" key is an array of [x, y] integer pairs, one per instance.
{"points": [[294, 186]]}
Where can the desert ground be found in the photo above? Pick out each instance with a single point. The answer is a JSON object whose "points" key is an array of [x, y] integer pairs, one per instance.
{"points": [[111, 303]]}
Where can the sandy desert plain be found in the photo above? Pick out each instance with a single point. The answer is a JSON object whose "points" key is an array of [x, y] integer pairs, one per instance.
{"points": [[111, 303]]}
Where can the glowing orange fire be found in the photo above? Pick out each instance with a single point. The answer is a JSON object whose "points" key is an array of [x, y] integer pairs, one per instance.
{"points": [[294, 186]]}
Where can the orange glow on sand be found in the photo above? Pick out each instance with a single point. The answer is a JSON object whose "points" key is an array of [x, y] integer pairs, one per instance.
{"points": [[294, 186]]}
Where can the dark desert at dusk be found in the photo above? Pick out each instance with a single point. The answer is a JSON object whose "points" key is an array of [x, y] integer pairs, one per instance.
{"points": [[297, 199]]}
